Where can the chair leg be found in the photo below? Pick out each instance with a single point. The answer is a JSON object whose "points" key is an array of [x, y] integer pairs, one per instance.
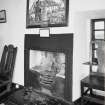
{"points": [[82, 92], [82, 101], [8, 87], [91, 91]]}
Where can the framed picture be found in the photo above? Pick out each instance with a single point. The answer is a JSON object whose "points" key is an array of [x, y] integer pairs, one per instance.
{"points": [[2, 16], [47, 13]]}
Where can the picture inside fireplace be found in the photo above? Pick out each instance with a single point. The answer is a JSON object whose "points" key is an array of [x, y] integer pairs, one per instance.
{"points": [[49, 67]]}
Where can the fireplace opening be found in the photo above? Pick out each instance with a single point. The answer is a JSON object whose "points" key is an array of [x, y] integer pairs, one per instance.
{"points": [[50, 70], [48, 64]]}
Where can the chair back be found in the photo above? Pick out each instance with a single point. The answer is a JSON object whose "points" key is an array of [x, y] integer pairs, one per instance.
{"points": [[8, 60]]}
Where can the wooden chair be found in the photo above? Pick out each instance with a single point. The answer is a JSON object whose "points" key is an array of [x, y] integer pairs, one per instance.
{"points": [[96, 80], [6, 68], [90, 83]]}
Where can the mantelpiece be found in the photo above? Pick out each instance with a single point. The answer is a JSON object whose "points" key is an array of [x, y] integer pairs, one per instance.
{"points": [[54, 46]]}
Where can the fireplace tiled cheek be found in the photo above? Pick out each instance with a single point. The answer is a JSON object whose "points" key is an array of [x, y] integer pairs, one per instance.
{"points": [[48, 64]]}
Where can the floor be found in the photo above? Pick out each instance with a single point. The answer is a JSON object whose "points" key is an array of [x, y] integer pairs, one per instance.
{"points": [[10, 103], [3, 99], [88, 103]]}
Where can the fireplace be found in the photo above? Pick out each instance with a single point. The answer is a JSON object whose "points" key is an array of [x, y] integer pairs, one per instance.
{"points": [[48, 64]]}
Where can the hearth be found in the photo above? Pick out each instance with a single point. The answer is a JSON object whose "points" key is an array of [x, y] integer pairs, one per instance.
{"points": [[48, 64]]}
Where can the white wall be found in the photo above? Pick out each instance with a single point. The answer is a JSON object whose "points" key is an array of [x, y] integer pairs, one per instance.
{"points": [[81, 46], [80, 13]]}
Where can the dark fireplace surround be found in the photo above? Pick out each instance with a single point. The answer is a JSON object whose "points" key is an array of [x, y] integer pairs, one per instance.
{"points": [[62, 43]]}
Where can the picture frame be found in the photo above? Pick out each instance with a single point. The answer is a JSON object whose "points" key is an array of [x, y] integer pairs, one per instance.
{"points": [[47, 13], [2, 16]]}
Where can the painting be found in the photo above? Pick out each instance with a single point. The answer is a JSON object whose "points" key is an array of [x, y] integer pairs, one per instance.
{"points": [[47, 13], [2, 16]]}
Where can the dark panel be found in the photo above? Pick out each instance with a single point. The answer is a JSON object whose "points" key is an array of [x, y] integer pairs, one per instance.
{"points": [[56, 42]]}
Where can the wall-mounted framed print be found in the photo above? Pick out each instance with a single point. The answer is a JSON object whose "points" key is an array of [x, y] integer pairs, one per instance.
{"points": [[2, 16], [47, 13]]}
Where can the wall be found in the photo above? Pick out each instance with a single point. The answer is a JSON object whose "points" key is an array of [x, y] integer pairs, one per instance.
{"points": [[80, 13], [81, 46]]}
